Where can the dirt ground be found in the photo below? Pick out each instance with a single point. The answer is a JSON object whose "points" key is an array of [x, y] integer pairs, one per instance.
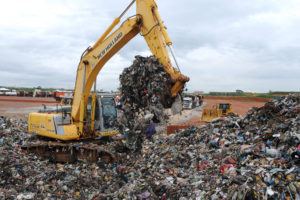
{"points": [[22, 106], [239, 105], [27, 99]]}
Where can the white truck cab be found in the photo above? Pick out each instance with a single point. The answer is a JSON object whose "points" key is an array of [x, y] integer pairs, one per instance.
{"points": [[187, 103]]}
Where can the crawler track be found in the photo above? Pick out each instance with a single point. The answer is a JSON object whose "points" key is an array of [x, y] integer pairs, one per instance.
{"points": [[70, 152]]}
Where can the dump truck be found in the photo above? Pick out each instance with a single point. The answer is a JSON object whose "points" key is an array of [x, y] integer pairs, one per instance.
{"points": [[217, 110]]}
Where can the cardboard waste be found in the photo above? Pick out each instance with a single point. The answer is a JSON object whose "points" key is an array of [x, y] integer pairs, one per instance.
{"points": [[253, 157]]}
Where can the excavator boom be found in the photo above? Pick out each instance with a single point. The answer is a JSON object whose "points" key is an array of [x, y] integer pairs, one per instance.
{"points": [[147, 22]]}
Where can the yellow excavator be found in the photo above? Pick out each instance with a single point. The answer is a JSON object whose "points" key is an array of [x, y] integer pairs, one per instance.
{"points": [[217, 110], [85, 118]]}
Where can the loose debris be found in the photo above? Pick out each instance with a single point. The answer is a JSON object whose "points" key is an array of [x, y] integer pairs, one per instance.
{"points": [[255, 157], [145, 91], [145, 82]]}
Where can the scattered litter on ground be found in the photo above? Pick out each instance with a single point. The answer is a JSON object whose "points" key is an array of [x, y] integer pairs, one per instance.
{"points": [[254, 157]]}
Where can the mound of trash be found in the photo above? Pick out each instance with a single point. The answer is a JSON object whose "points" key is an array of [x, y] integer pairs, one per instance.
{"points": [[145, 91], [253, 157], [144, 82]]}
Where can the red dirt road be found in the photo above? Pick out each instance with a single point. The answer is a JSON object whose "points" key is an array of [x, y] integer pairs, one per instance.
{"points": [[15, 106], [239, 105], [21, 106], [28, 99]]}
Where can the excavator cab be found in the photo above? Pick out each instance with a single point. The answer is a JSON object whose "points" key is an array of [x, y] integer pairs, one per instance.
{"points": [[106, 115], [101, 114]]}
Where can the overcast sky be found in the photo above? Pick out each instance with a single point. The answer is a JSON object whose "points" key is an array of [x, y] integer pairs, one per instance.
{"points": [[221, 45]]}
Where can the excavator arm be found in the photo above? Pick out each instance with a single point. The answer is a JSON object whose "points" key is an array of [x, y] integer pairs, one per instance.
{"points": [[148, 23]]}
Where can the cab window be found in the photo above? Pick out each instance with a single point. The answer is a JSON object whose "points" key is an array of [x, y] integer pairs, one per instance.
{"points": [[109, 112]]}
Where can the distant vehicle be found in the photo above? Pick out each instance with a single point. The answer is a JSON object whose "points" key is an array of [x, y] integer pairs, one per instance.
{"points": [[21, 93], [39, 93], [3, 91], [11, 93], [59, 95], [50, 94], [217, 110], [188, 103], [200, 99], [28, 93]]}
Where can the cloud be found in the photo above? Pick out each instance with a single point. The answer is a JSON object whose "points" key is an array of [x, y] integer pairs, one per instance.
{"points": [[227, 69], [221, 45]]}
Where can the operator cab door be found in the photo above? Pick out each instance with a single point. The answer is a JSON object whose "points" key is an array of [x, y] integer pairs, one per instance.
{"points": [[107, 114]]}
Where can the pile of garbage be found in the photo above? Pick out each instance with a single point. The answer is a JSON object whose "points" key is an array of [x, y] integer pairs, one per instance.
{"points": [[144, 82], [254, 157], [28, 176], [145, 92]]}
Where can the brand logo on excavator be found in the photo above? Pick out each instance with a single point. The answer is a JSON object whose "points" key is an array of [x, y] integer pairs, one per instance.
{"points": [[110, 45]]}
